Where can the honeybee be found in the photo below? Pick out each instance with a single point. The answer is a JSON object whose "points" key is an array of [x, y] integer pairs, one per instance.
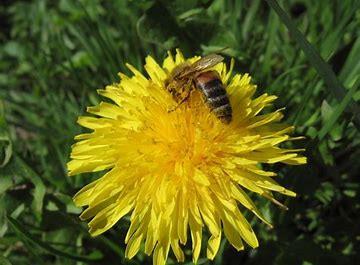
{"points": [[186, 77]]}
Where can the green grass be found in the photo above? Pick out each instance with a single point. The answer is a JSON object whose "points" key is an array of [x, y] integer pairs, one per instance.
{"points": [[55, 54]]}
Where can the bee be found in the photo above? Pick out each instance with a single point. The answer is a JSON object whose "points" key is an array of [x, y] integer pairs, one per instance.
{"points": [[186, 77]]}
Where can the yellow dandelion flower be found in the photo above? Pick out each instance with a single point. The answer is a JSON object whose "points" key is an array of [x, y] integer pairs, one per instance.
{"points": [[182, 171]]}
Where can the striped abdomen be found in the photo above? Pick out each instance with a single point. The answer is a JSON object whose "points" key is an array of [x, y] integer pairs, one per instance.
{"points": [[210, 85]]}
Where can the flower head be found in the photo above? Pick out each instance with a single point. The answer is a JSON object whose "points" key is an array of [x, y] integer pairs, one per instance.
{"points": [[182, 171]]}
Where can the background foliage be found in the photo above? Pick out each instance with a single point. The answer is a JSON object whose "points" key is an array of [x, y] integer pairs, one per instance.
{"points": [[55, 54]]}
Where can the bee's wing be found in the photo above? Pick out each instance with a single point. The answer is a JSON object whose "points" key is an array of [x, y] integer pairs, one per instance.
{"points": [[203, 63], [207, 62]]}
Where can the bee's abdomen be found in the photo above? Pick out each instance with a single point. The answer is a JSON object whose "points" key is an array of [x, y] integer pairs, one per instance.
{"points": [[215, 95]]}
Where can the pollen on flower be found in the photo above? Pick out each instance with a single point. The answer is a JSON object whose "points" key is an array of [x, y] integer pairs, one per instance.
{"points": [[182, 171]]}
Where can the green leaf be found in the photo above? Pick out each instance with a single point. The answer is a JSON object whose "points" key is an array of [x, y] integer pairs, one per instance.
{"points": [[25, 235], [187, 15], [351, 70], [18, 167], [16, 212], [350, 193], [326, 154], [249, 20], [272, 29], [323, 69], [5, 182], [326, 193], [4, 261], [3, 223], [336, 113], [14, 49], [326, 111], [150, 28], [219, 257], [6, 149]]}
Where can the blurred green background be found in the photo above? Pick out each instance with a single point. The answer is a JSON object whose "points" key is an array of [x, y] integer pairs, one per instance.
{"points": [[55, 54]]}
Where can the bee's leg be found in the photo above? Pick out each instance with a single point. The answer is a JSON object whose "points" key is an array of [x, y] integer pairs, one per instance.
{"points": [[185, 96]]}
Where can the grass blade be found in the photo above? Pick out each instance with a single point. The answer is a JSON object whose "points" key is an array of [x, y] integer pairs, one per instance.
{"points": [[19, 167], [317, 62], [25, 235], [338, 111], [351, 68], [6, 149], [4, 261]]}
